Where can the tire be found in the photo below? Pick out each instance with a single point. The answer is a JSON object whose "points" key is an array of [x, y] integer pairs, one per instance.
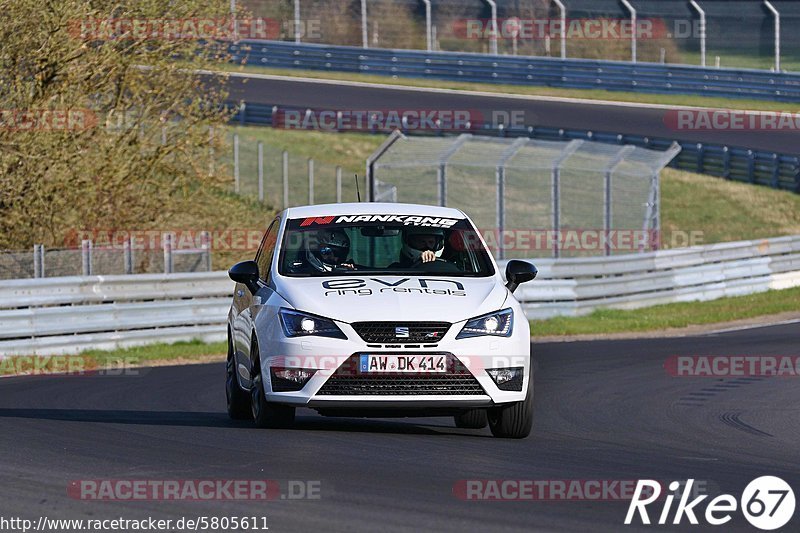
{"points": [[238, 400], [267, 414], [515, 420], [472, 419]]}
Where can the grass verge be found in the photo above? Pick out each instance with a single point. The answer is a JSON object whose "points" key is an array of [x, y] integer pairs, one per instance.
{"points": [[677, 315], [118, 360]]}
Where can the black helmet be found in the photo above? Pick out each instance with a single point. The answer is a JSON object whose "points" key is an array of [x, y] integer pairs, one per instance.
{"points": [[330, 248]]}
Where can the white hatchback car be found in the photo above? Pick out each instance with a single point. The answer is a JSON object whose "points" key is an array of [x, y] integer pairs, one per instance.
{"points": [[379, 310]]}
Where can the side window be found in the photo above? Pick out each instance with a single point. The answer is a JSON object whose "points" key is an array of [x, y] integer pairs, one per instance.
{"points": [[267, 250]]}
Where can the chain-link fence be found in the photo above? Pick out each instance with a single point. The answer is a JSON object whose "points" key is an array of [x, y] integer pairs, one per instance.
{"points": [[729, 33], [137, 254], [532, 197], [283, 179]]}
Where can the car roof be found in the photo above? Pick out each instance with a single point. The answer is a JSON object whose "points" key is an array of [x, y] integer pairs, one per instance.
{"points": [[372, 208]]}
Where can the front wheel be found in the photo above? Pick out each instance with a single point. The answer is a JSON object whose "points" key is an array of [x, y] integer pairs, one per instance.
{"points": [[238, 399], [267, 414], [515, 420]]}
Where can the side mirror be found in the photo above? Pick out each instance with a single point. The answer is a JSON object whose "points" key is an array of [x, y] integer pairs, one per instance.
{"points": [[518, 272], [246, 273]]}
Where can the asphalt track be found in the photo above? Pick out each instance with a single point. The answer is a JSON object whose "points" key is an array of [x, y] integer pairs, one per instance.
{"points": [[604, 410], [627, 118]]}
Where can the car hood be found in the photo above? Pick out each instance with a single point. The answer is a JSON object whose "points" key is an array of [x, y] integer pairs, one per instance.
{"points": [[389, 298]]}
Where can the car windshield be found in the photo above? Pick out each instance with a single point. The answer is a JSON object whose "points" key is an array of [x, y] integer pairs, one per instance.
{"points": [[386, 244]]}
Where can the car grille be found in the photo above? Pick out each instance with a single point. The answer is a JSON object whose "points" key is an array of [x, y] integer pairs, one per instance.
{"points": [[347, 381], [387, 332]]}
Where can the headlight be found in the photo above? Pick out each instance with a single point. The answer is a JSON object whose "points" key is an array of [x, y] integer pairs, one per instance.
{"points": [[297, 324], [498, 324]]}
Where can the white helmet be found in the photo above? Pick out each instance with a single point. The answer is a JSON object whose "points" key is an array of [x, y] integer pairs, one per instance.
{"points": [[414, 245], [327, 248]]}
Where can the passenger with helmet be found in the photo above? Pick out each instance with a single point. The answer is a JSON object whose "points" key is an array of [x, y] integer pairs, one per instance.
{"points": [[327, 250], [420, 245]]}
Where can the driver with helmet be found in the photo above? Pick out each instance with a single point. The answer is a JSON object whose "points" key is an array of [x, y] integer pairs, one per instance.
{"points": [[327, 250]]}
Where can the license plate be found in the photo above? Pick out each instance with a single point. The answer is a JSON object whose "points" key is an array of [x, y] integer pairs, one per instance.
{"points": [[408, 364]]}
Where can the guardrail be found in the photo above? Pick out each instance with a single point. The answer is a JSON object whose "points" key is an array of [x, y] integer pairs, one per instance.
{"points": [[67, 315], [771, 169], [71, 314], [516, 70], [572, 287]]}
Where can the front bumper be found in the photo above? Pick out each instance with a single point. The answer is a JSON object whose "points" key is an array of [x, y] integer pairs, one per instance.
{"points": [[337, 386]]}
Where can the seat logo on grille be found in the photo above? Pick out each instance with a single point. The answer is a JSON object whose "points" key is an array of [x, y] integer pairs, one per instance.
{"points": [[401, 332]]}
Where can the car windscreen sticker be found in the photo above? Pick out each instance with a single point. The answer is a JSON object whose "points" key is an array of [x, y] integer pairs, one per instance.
{"points": [[405, 220]]}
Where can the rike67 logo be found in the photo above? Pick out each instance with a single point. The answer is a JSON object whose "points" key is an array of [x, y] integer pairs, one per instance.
{"points": [[767, 503]]}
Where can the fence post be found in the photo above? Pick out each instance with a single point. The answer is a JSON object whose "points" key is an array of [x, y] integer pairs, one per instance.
{"points": [[701, 153], [167, 244], [37, 261], [86, 257], [285, 179], [211, 166], [751, 166], [777, 16], [236, 185], [128, 256], [632, 11], [726, 163], [205, 244], [260, 171], [338, 185], [310, 181], [776, 170], [364, 30], [297, 21]]}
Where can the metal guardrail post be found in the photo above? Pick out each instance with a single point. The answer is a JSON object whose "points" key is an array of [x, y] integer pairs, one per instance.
{"points": [[751, 166], [260, 171], [495, 30], [205, 245], [500, 174], [441, 173], [338, 185], [86, 257], [236, 183], [310, 181], [726, 163], [777, 16], [285, 156], [608, 211], [634, 29], [211, 156], [555, 183], [428, 24], [776, 171], [297, 21], [702, 14], [364, 30], [38, 261], [562, 10], [373, 158], [127, 256], [169, 265]]}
